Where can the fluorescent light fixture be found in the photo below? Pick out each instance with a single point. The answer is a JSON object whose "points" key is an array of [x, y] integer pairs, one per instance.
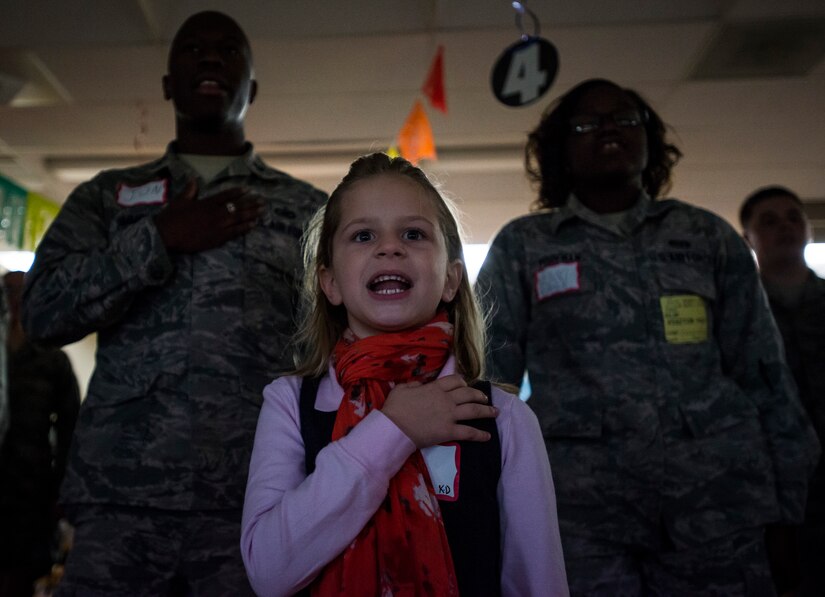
{"points": [[815, 258], [16, 261], [75, 175]]}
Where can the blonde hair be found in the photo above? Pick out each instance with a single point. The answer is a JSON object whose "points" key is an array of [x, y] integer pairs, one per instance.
{"points": [[322, 323]]}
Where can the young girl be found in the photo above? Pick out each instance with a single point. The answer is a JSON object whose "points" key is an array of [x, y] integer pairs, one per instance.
{"points": [[422, 487]]}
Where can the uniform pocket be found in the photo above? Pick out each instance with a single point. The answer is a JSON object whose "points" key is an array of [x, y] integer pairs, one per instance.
{"points": [[719, 406], [114, 385], [566, 414], [685, 272], [271, 286], [565, 303]]}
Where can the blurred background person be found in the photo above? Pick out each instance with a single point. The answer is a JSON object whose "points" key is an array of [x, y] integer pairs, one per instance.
{"points": [[4, 398], [777, 229], [671, 421], [44, 401]]}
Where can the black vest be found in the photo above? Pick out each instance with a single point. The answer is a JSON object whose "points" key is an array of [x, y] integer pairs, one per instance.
{"points": [[471, 522]]}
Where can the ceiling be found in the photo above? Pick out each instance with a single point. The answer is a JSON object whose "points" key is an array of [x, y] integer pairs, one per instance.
{"points": [[741, 83]]}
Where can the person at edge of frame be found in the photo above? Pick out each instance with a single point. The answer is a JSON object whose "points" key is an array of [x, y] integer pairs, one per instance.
{"points": [[188, 270], [777, 228], [672, 423], [44, 399]]}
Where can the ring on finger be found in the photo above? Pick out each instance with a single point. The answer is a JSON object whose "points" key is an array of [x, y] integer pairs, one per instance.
{"points": [[230, 207]]}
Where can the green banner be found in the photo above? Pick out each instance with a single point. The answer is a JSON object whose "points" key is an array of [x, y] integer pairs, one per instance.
{"points": [[12, 214], [40, 213]]}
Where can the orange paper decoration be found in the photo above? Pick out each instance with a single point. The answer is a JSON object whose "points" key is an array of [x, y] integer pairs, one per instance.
{"points": [[415, 140]]}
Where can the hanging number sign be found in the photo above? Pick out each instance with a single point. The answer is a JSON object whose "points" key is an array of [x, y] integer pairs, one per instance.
{"points": [[524, 71]]}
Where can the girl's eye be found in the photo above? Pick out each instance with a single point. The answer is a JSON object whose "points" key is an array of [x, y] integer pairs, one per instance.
{"points": [[414, 234], [362, 236]]}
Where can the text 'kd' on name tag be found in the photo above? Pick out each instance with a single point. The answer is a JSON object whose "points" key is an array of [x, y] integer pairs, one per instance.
{"points": [[444, 463]]}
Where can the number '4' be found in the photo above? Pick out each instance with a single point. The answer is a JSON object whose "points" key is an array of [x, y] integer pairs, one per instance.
{"points": [[525, 75]]}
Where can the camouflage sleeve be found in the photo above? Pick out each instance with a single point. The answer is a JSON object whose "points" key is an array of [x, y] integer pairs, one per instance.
{"points": [[752, 355], [502, 293], [89, 267]]}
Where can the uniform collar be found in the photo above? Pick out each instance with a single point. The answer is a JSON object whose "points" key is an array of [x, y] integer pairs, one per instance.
{"points": [[644, 208], [247, 163]]}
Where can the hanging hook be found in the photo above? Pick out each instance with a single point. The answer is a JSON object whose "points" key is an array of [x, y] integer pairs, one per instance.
{"points": [[521, 9]]}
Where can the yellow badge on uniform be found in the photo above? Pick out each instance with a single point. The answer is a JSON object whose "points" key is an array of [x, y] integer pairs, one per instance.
{"points": [[685, 317]]}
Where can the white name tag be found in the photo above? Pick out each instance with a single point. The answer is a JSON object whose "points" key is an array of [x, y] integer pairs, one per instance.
{"points": [[557, 279], [150, 193], [444, 463]]}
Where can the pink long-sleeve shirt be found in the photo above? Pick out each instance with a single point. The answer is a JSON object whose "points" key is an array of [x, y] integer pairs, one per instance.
{"points": [[294, 524]]}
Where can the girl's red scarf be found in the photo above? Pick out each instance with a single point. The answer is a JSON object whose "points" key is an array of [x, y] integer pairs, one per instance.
{"points": [[402, 551]]}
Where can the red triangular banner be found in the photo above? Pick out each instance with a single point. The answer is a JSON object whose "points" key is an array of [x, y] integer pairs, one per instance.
{"points": [[433, 86]]}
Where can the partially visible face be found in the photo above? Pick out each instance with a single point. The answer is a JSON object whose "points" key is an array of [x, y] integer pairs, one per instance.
{"points": [[778, 229], [389, 259], [210, 71], [610, 152]]}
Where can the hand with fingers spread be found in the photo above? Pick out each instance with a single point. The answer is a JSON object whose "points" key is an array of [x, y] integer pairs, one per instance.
{"points": [[431, 413], [191, 225]]}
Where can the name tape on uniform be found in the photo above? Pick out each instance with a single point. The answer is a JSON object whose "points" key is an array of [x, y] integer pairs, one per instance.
{"points": [[557, 279], [151, 193]]}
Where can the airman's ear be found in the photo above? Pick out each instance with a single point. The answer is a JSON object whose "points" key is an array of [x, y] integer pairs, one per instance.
{"points": [[253, 90]]}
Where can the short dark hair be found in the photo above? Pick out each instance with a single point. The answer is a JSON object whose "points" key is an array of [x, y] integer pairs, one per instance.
{"points": [[759, 195], [545, 150], [194, 21]]}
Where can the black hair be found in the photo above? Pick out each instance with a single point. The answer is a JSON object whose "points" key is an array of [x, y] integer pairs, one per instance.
{"points": [[545, 150], [208, 15], [759, 195]]}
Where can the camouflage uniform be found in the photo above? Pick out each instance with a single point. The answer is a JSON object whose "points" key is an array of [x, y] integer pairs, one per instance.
{"points": [[803, 330], [656, 373], [186, 342], [4, 399]]}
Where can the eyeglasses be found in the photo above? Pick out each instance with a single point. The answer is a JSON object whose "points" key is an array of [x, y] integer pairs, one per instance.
{"points": [[589, 123]]}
